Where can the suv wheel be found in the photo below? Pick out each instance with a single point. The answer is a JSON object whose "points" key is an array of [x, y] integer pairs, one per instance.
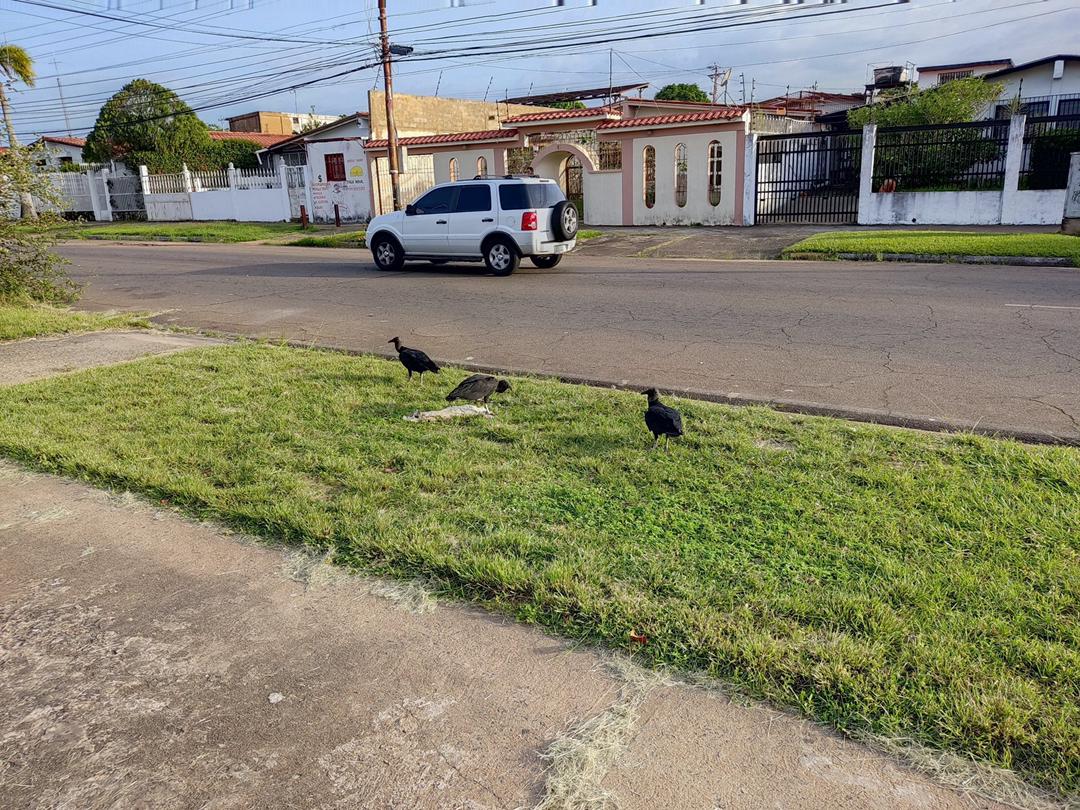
{"points": [[565, 220], [387, 253], [546, 262], [501, 257]]}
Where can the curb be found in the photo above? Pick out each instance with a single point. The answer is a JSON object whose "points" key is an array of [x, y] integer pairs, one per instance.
{"points": [[863, 415], [935, 258]]}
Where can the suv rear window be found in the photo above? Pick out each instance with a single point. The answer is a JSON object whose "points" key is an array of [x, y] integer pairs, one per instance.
{"points": [[519, 196]]}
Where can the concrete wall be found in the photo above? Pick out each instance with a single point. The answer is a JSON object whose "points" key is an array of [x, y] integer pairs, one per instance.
{"points": [[697, 209], [429, 115], [353, 196], [466, 159], [253, 205], [168, 207], [603, 197], [931, 208], [1033, 207]]}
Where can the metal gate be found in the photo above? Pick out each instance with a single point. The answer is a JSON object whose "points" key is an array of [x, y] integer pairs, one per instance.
{"points": [[296, 182], [809, 177], [573, 184], [125, 196]]}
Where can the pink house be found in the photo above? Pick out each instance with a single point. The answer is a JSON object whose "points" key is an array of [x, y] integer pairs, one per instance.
{"points": [[637, 162]]}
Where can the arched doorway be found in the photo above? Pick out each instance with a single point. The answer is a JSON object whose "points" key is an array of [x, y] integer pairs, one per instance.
{"points": [[567, 165]]}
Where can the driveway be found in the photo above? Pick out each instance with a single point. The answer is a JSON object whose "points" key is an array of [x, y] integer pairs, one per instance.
{"points": [[986, 346]]}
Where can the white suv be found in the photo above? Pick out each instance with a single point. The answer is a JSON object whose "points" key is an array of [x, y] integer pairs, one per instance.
{"points": [[496, 221]]}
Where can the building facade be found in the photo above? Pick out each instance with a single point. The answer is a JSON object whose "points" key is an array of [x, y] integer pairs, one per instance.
{"points": [[278, 123], [638, 162]]}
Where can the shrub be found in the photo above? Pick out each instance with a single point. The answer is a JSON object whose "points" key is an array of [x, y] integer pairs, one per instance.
{"points": [[29, 269]]}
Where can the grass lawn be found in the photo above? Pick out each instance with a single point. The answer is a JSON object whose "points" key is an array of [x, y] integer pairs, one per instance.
{"points": [[940, 243], [586, 235], [351, 239], [186, 231], [33, 320], [911, 585]]}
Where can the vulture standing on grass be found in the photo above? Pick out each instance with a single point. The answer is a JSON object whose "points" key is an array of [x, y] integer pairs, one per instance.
{"points": [[661, 419], [478, 388], [414, 359]]}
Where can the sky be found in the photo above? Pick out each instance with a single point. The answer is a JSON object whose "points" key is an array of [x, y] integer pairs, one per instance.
{"points": [[222, 56]]}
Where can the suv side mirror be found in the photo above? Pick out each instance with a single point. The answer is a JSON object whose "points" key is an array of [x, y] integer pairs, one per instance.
{"points": [[410, 210]]}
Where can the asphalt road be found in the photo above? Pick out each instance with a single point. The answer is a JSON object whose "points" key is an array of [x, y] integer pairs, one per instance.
{"points": [[990, 346]]}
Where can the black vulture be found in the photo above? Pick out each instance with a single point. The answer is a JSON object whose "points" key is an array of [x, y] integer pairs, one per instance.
{"points": [[661, 419], [478, 388], [414, 359]]}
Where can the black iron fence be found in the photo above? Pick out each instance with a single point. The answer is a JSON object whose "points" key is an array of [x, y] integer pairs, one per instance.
{"points": [[941, 157], [1048, 142], [808, 177]]}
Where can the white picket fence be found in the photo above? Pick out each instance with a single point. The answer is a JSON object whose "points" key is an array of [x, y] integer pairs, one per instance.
{"points": [[248, 195]]}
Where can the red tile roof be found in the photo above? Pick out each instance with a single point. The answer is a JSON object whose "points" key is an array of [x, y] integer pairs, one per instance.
{"points": [[726, 114], [555, 115], [66, 141], [453, 137], [260, 139]]}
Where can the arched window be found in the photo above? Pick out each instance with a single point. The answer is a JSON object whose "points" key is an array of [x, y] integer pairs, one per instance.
{"points": [[680, 174], [649, 176], [716, 171], [481, 166], [453, 169]]}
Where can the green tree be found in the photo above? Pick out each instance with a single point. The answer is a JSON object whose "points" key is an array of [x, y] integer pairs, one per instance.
{"points": [[950, 103], [16, 65], [147, 124], [240, 154], [567, 105], [682, 92]]}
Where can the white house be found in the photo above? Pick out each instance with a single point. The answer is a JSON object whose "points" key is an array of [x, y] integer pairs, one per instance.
{"points": [[52, 152], [933, 75], [1047, 86], [1044, 87], [336, 166]]}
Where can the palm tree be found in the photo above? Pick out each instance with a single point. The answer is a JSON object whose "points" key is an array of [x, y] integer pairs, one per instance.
{"points": [[16, 65]]}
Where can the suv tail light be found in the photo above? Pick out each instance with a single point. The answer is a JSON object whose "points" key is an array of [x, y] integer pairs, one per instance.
{"points": [[528, 221]]}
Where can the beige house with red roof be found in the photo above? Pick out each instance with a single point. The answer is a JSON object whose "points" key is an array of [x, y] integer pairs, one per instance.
{"points": [[635, 162]]}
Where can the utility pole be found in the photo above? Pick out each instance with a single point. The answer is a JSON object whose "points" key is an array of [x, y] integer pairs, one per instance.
{"points": [[715, 75], [610, 56], [388, 94], [63, 106]]}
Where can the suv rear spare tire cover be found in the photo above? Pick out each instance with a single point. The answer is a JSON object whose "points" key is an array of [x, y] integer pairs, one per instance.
{"points": [[564, 220]]}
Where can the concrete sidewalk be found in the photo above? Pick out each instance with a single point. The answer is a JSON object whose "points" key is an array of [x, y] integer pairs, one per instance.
{"points": [[148, 660]]}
